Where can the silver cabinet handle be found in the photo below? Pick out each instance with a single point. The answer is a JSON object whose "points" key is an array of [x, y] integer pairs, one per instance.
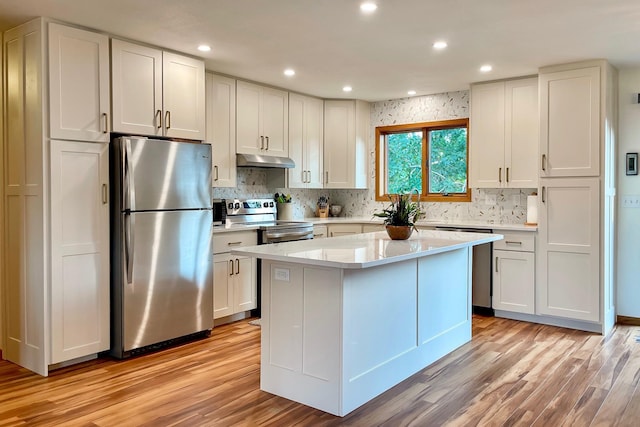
{"points": [[326, 177], [543, 195], [237, 266], [508, 242], [507, 174], [158, 119], [231, 269], [129, 245], [499, 174], [267, 143], [105, 194], [496, 264], [105, 117], [544, 162], [167, 119], [215, 173], [261, 142], [233, 243]]}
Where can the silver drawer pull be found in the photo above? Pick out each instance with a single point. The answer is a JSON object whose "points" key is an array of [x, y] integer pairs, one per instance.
{"points": [[508, 242], [234, 243]]}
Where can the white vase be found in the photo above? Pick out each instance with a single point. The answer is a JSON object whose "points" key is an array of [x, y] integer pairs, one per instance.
{"points": [[285, 211]]}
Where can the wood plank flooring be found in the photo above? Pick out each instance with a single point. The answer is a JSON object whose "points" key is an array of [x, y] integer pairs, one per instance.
{"points": [[510, 374]]}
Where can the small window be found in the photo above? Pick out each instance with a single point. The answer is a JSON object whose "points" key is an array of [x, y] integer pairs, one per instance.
{"points": [[431, 158]]}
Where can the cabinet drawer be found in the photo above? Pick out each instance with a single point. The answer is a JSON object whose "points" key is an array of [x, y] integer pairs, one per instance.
{"points": [[225, 242], [320, 231], [516, 242]]}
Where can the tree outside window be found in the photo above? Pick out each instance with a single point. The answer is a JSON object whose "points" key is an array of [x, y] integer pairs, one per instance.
{"points": [[429, 157]]}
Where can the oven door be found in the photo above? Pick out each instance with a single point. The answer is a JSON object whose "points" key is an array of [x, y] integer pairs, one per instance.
{"points": [[286, 233]]}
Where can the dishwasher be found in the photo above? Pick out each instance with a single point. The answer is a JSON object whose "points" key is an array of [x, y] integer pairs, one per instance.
{"points": [[481, 280]]}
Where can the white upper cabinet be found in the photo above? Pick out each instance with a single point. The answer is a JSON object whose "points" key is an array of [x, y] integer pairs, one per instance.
{"points": [[504, 134], [305, 141], [183, 96], [78, 84], [262, 120], [157, 93], [221, 128], [137, 88], [346, 131], [570, 122]]}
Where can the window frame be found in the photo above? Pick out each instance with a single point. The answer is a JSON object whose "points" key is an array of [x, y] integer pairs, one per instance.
{"points": [[425, 127]]}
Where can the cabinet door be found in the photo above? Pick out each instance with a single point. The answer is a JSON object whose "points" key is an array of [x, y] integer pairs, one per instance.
{"points": [[298, 175], [245, 287], [339, 140], [221, 128], [249, 138], [486, 147], [183, 95], [568, 261], [370, 228], [570, 122], [305, 141], [136, 75], [223, 298], [274, 113], [514, 281], [79, 249], [336, 230], [78, 84], [314, 141], [521, 133]]}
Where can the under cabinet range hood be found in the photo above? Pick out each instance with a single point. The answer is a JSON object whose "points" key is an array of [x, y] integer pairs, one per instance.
{"points": [[263, 161]]}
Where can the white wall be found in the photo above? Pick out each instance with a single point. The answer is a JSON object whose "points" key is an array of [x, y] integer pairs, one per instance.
{"points": [[628, 251]]}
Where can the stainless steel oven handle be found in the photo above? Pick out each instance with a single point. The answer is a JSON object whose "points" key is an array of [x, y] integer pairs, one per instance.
{"points": [[287, 234]]}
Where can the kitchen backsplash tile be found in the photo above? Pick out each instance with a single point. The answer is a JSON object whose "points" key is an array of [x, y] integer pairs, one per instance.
{"points": [[510, 205]]}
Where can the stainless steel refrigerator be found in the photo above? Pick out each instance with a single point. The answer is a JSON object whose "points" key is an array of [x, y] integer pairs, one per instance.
{"points": [[161, 248]]}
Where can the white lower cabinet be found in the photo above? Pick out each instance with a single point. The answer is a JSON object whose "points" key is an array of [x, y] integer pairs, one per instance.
{"points": [[79, 249], [336, 230], [370, 228], [569, 250], [514, 273], [234, 277], [234, 285]]}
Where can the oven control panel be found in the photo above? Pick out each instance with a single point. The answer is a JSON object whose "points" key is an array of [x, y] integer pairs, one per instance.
{"points": [[250, 206]]}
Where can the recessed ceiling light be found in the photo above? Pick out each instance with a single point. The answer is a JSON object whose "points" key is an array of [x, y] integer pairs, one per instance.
{"points": [[486, 68], [289, 72], [440, 45], [368, 7], [204, 48], [411, 92], [347, 89]]}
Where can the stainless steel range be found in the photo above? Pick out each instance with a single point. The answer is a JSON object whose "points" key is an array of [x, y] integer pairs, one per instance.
{"points": [[263, 213]]}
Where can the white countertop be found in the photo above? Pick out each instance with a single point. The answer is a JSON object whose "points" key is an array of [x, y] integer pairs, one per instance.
{"points": [[427, 223], [366, 250]]}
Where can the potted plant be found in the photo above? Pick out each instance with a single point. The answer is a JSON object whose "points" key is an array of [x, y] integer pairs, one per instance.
{"points": [[400, 216], [284, 206]]}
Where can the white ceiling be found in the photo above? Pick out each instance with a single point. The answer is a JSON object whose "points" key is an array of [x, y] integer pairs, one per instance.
{"points": [[331, 44]]}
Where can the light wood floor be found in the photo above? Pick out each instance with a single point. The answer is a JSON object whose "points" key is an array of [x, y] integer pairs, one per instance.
{"points": [[512, 373]]}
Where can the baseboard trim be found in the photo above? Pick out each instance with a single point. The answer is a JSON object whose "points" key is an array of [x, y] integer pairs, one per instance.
{"points": [[626, 320]]}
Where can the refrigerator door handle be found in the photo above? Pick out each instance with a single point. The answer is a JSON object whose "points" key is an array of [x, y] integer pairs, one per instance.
{"points": [[129, 245], [128, 187]]}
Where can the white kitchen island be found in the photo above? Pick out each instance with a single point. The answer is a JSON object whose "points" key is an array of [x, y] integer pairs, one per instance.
{"points": [[346, 318]]}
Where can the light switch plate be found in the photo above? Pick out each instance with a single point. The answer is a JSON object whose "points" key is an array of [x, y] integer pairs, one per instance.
{"points": [[631, 201]]}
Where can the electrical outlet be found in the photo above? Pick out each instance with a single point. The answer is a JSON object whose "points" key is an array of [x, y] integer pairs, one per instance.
{"points": [[631, 202], [490, 199]]}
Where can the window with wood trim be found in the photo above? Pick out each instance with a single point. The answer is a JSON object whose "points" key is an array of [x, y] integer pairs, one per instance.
{"points": [[432, 158]]}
